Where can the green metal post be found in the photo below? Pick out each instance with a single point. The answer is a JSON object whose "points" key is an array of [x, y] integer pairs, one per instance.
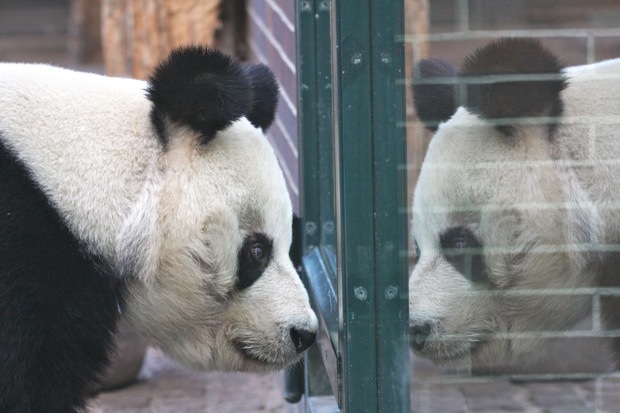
{"points": [[352, 149], [354, 204], [390, 191], [316, 189], [370, 148], [306, 120]]}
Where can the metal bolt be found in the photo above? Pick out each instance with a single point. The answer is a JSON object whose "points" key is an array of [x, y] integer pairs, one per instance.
{"points": [[328, 227], [386, 58], [310, 228], [391, 292], [360, 293], [356, 58], [324, 5], [305, 5]]}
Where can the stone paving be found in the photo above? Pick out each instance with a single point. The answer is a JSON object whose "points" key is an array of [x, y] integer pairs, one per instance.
{"points": [[459, 394], [543, 397], [163, 387], [573, 376]]}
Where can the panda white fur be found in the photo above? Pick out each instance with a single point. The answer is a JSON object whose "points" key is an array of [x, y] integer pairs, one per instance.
{"points": [[160, 198], [516, 213]]}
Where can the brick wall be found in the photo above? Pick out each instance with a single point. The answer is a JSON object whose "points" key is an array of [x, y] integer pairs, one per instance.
{"points": [[271, 38], [578, 32]]}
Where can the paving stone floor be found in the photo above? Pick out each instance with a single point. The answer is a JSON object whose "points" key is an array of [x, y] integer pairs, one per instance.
{"points": [[164, 387], [453, 394]]}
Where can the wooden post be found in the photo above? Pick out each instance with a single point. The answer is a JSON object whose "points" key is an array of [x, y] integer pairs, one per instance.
{"points": [[84, 32], [137, 34]]}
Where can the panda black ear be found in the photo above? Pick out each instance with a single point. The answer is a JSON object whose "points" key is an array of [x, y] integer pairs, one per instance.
{"points": [[434, 91], [513, 78], [264, 95], [200, 88]]}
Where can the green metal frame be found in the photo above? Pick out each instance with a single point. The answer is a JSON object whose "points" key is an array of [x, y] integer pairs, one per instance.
{"points": [[352, 148]]}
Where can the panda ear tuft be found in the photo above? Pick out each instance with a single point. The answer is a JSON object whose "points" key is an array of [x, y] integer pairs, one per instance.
{"points": [[264, 95], [434, 91], [513, 78], [200, 88]]}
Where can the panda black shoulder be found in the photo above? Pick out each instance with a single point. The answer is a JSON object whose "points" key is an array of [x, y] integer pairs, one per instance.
{"points": [[58, 302], [200, 88]]}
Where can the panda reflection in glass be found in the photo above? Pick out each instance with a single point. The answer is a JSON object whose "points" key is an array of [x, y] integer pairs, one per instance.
{"points": [[161, 198], [516, 213]]}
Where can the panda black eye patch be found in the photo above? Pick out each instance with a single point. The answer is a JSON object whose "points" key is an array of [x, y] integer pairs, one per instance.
{"points": [[463, 250], [252, 259]]}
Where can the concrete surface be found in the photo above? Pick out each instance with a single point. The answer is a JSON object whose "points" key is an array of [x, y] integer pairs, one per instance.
{"points": [[164, 387]]}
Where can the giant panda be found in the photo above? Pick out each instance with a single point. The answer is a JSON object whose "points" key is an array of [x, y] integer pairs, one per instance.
{"points": [[516, 210], [158, 201]]}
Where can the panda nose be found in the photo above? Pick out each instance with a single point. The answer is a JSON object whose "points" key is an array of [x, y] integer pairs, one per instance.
{"points": [[418, 334], [302, 339]]}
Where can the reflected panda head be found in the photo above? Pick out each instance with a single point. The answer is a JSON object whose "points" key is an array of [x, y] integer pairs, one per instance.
{"points": [[490, 215], [209, 249]]}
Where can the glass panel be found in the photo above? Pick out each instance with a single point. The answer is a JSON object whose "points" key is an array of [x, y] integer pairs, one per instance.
{"points": [[317, 190], [513, 292], [325, 136]]}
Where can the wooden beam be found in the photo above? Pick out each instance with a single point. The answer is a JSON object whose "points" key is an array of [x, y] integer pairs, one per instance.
{"points": [[137, 34]]}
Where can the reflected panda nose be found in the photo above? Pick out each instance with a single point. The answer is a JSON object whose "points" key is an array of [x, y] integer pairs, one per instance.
{"points": [[302, 339], [418, 333]]}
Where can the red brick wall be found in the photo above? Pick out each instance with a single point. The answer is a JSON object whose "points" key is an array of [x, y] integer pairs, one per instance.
{"points": [[271, 38]]}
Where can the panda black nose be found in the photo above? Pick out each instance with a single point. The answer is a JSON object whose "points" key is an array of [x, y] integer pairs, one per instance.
{"points": [[302, 339], [418, 333]]}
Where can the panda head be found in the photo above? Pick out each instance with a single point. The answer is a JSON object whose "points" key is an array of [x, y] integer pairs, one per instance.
{"points": [[208, 244], [495, 212]]}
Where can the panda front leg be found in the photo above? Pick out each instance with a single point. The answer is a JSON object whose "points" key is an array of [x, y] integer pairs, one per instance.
{"points": [[58, 309]]}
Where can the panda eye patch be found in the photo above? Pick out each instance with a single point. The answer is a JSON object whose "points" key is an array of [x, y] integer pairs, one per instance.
{"points": [[458, 238], [463, 250], [253, 258]]}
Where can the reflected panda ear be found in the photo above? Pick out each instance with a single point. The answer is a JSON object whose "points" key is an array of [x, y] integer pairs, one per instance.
{"points": [[434, 91], [264, 95], [513, 78], [200, 88]]}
